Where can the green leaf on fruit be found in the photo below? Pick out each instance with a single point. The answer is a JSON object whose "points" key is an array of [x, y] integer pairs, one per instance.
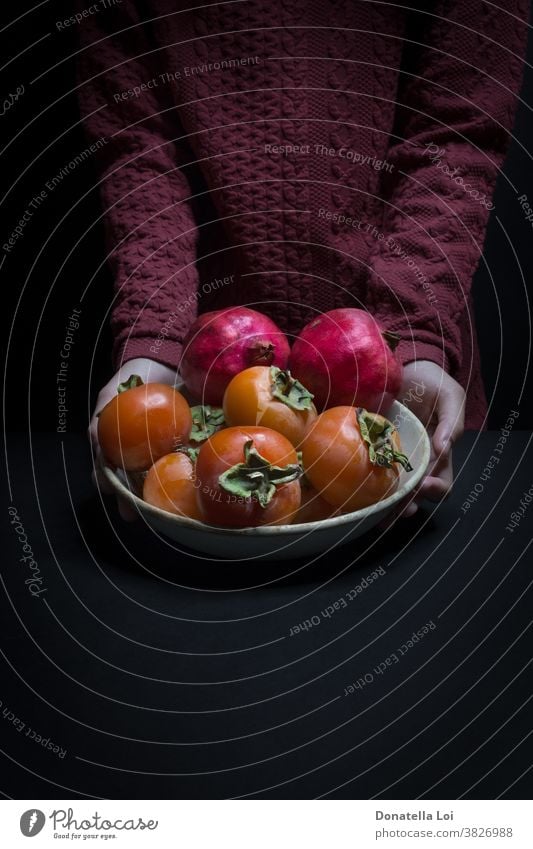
{"points": [[304, 480], [289, 390], [190, 451], [132, 381], [206, 420], [377, 433], [256, 477]]}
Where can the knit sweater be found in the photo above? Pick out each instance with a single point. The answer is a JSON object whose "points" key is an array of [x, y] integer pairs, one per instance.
{"points": [[297, 156]]}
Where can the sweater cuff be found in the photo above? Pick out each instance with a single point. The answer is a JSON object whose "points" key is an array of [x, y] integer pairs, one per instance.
{"points": [[167, 353], [409, 350]]}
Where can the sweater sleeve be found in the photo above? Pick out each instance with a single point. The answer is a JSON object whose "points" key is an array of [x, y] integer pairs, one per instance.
{"points": [[455, 111], [149, 223]]}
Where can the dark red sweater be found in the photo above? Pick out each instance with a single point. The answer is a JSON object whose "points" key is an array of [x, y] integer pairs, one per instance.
{"points": [[277, 144]]}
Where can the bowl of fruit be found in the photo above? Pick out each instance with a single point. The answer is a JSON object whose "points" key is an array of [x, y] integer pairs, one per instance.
{"points": [[263, 451]]}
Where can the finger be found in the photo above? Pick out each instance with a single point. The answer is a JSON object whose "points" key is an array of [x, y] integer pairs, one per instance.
{"points": [[104, 397], [100, 481], [410, 509], [440, 465], [98, 476], [434, 486], [451, 418], [433, 489], [92, 433], [439, 483], [403, 510]]}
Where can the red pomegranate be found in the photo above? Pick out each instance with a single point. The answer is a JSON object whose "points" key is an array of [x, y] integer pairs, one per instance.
{"points": [[220, 344], [345, 358]]}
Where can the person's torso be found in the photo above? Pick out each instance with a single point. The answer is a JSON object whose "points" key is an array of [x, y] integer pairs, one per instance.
{"points": [[288, 109]]}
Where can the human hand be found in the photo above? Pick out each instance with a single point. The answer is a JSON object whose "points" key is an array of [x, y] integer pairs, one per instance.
{"points": [[439, 402], [151, 372]]}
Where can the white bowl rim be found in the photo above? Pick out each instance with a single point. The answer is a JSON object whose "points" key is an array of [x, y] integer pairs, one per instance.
{"points": [[293, 529]]}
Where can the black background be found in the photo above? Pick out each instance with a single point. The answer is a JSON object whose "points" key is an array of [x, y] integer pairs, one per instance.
{"points": [[165, 675], [62, 249]]}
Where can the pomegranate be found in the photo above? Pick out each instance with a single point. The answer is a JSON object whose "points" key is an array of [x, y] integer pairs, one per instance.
{"points": [[345, 358], [220, 344]]}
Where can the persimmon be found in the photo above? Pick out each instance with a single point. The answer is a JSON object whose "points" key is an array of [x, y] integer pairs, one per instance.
{"points": [[142, 423], [353, 457], [269, 397], [170, 485], [248, 476]]}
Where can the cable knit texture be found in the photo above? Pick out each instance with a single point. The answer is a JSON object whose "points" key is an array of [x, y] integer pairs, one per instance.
{"points": [[297, 156]]}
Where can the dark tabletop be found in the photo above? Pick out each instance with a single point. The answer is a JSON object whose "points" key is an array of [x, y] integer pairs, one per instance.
{"points": [[138, 671]]}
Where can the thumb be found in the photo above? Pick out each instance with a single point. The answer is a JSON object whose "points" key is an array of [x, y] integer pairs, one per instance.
{"points": [[451, 417]]}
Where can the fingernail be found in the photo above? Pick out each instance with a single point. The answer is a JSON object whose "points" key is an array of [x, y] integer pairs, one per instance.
{"points": [[446, 445]]}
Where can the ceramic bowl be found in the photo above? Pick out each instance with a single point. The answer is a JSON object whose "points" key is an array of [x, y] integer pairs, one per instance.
{"points": [[283, 542]]}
